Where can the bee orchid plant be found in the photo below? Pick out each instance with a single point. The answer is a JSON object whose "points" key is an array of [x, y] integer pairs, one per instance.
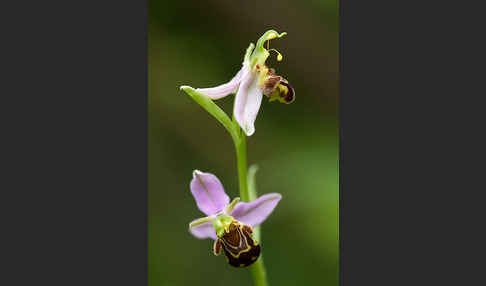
{"points": [[234, 226]]}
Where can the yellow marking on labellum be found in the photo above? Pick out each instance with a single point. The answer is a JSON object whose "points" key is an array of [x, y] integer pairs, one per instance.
{"points": [[241, 251], [283, 89], [239, 245], [248, 245]]}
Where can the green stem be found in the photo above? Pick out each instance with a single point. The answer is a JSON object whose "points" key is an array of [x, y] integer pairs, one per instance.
{"points": [[240, 146], [258, 272], [258, 268]]}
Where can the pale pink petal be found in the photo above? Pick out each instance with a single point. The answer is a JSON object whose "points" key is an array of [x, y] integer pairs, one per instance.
{"points": [[254, 213], [247, 102], [204, 230], [224, 89], [208, 192]]}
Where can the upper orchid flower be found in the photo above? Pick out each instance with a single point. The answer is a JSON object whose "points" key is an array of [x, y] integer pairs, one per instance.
{"points": [[253, 79], [229, 224]]}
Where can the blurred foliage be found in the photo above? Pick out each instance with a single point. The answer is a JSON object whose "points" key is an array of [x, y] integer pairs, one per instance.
{"points": [[201, 44]]}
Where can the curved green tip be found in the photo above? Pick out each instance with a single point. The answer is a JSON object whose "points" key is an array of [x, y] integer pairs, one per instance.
{"points": [[260, 54], [269, 35]]}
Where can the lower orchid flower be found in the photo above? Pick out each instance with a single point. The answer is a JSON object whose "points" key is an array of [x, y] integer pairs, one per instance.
{"points": [[253, 80], [230, 225]]}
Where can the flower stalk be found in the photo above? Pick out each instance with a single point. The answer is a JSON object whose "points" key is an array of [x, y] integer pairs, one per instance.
{"points": [[257, 269], [258, 272], [240, 146]]}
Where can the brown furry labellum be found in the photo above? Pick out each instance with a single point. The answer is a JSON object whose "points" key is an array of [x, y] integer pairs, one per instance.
{"points": [[289, 94], [278, 88], [237, 242]]}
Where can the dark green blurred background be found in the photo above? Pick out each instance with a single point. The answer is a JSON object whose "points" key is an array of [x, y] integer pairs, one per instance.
{"points": [[201, 44]]}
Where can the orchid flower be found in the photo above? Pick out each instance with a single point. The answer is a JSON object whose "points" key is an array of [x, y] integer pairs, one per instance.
{"points": [[253, 80], [229, 224]]}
